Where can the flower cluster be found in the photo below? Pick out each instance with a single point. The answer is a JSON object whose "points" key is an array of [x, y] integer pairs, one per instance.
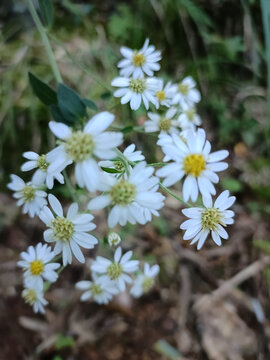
{"points": [[123, 183]]}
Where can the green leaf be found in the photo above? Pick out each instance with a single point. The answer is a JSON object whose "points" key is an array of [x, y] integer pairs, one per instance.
{"points": [[64, 341], [57, 115], [90, 104], [233, 185], [47, 12], [110, 170], [70, 104], [44, 92]]}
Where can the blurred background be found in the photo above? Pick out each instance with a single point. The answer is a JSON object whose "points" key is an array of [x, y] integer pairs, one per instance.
{"points": [[221, 43]]}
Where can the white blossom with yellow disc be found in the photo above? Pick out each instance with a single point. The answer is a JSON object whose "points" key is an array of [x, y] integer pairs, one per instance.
{"points": [[37, 265], [193, 160]]}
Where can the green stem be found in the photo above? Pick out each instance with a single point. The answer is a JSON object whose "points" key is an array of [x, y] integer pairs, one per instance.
{"points": [[71, 189], [159, 164], [45, 41], [174, 195], [122, 157]]}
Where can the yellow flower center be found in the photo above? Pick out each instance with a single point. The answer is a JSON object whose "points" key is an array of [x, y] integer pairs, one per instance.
{"points": [[210, 219], [160, 95], [36, 267], [63, 229], [147, 284], [114, 271], [30, 296], [122, 193], [42, 163], [119, 166], [80, 146], [194, 164], [183, 89], [165, 124], [190, 114], [96, 289], [28, 193], [138, 59], [137, 85]]}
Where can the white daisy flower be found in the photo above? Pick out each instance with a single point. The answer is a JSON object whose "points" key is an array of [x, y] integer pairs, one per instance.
{"points": [[37, 266], [162, 123], [114, 239], [134, 197], [189, 119], [41, 175], [144, 282], [28, 195], [136, 63], [129, 153], [186, 93], [70, 232], [100, 290], [81, 147], [117, 270], [193, 160], [164, 94], [135, 91], [34, 296], [210, 219]]}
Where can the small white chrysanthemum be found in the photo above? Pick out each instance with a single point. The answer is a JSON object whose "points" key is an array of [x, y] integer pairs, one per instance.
{"points": [[189, 119], [27, 194], [100, 290], [41, 175], [211, 218], [138, 62], [114, 239], [70, 232], [33, 295], [144, 282], [117, 270], [134, 197], [135, 91], [164, 94], [129, 153], [36, 265], [162, 123], [81, 147], [193, 160], [185, 93]]}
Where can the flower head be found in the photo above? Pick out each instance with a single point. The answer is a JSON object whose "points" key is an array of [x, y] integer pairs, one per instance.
{"points": [[28, 195], [116, 270], [162, 123], [134, 197], [189, 119], [37, 266], [135, 91], [68, 233], [100, 290], [185, 93], [136, 63], [210, 219], [83, 146], [193, 160], [33, 295], [42, 174], [145, 282], [114, 239], [164, 94]]}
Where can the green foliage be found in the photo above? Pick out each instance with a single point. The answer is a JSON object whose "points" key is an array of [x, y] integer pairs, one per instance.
{"points": [[44, 92], [231, 184], [47, 12], [70, 104], [63, 341]]}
